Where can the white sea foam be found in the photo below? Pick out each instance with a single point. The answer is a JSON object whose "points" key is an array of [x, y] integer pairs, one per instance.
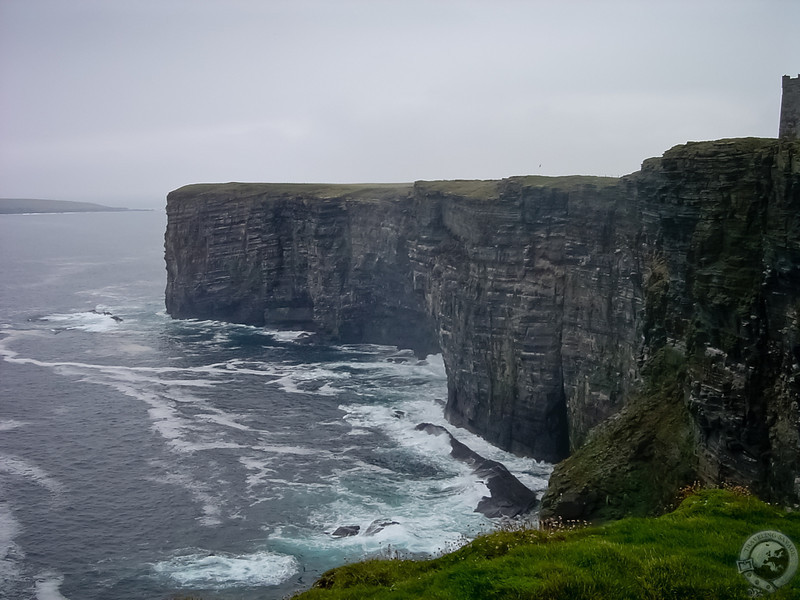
{"points": [[9, 424], [398, 365], [329, 379], [429, 515], [210, 503], [220, 418], [163, 395], [117, 371], [96, 322], [219, 571], [259, 471], [244, 367], [286, 336], [311, 378], [421, 518], [47, 586], [435, 515], [383, 392], [530, 472], [288, 449], [399, 418], [18, 467], [134, 349], [11, 555]]}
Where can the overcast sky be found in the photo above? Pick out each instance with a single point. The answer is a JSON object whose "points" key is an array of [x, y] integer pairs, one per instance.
{"points": [[121, 101]]}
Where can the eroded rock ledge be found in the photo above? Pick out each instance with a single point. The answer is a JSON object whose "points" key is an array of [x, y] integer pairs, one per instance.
{"points": [[547, 296]]}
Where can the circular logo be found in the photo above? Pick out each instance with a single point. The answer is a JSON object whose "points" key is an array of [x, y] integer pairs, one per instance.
{"points": [[768, 560]]}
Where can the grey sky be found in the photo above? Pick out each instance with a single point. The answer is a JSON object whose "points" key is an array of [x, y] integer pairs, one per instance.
{"points": [[121, 101]]}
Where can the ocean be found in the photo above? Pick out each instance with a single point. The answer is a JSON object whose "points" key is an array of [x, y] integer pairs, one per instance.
{"points": [[144, 457]]}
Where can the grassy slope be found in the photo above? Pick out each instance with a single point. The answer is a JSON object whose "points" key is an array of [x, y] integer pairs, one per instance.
{"points": [[688, 553], [633, 464]]}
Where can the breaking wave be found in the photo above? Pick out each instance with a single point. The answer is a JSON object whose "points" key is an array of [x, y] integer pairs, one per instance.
{"points": [[218, 571]]}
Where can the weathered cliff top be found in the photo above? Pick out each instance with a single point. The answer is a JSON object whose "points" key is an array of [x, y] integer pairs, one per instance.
{"points": [[489, 189], [712, 150], [236, 191], [474, 189]]}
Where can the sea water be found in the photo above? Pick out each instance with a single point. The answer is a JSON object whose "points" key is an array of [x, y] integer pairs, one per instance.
{"points": [[142, 457]]}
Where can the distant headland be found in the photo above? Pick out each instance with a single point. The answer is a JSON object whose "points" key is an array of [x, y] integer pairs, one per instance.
{"points": [[32, 205]]}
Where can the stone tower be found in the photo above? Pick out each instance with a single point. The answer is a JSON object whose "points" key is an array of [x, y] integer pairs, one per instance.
{"points": [[790, 109]]}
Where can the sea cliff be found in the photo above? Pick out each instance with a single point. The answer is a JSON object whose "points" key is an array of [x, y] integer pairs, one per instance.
{"points": [[575, 315]]}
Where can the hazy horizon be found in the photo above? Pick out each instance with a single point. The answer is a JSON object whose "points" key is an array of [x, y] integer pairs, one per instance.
{"points": [[120, 103]]}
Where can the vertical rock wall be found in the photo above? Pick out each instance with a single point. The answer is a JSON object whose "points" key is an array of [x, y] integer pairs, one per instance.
{"points": [[719, 248], [789, 127], [723, 219], [533, 287], [547, 297], [329, 259]]}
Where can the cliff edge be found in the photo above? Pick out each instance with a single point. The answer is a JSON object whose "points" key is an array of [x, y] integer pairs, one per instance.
{"points": [[570, 311]]}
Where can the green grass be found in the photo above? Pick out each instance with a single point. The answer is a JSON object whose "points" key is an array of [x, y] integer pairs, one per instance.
{"points": [[490, 189], [688, 553], [633, 464], [566, 182], [474, 189], [234, 190]]}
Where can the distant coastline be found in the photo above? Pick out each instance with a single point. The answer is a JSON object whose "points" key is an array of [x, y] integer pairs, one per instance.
{"points": [[17, 206]]}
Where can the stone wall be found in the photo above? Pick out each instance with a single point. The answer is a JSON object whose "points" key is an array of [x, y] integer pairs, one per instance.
{"points": [[790, 109]]}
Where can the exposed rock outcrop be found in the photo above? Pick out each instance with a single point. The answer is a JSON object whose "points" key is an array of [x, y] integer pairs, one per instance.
{"points": [[508, 497], [548, 298], [720, 247]]}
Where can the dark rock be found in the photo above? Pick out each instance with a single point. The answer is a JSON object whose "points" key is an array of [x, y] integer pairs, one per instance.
{"points": [[574, 506], [379, 525], [432, 429], [346, 531], [508, 496], [106, 313], [402, 356]]}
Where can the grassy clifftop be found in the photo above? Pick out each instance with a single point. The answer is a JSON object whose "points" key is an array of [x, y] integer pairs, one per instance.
{"points": [[691, 552], [320, 191]]}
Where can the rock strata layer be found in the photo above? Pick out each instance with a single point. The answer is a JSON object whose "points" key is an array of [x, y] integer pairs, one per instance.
{"points": [[547, 296]]}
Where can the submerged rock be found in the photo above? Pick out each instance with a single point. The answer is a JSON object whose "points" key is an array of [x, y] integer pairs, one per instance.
{"points": [[508, 496], [379, 525]]}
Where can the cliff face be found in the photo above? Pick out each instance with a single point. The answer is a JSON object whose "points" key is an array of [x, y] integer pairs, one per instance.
{"points": [[527, 286], [720, 248], [529, 283], [332, 259], [548, 297], [724, 221]]}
